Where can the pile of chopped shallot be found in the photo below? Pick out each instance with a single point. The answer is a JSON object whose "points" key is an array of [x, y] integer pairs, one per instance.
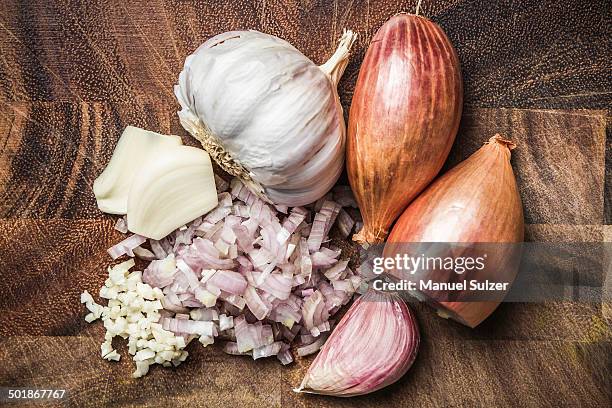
{"points": [[258, 277]]}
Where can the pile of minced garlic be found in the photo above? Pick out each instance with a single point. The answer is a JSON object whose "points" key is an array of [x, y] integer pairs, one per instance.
{"points": [[133, 314]]}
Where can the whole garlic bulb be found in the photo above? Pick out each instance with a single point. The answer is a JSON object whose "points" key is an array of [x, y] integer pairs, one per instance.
{"points": [[266, 113]]}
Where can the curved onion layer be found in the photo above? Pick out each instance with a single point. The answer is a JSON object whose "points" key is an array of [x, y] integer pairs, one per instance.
{"points": [[403, 120], [374, 344], [475, 202]]}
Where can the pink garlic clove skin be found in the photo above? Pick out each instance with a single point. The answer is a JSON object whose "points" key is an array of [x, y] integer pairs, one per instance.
{"points": [[373, 346]]}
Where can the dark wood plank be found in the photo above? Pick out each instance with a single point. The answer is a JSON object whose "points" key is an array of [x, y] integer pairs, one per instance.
{"points": [[608, 181], [534, 54], [45, 265], [207, 379], [606, 305], [506, 373], [54, 151], [559, 160], [106, 51]]}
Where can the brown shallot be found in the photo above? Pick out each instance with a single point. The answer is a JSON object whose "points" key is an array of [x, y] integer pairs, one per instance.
{"points": [[403, 119], [477, 201]]}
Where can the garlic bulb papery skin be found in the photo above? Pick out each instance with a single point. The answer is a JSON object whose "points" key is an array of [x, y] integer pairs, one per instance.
{"points": [[373, 346], [171, 190], [135, 147], [266, 113]]}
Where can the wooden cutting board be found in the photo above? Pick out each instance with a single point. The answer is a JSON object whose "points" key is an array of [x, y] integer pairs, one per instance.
{"points": [[73, 75]]}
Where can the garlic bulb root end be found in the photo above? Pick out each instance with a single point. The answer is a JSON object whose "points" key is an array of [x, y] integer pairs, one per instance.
{"points": [[225, 160], [335, 66]]}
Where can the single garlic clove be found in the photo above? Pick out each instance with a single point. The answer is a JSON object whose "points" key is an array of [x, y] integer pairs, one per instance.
{"points": [[374, 344], [135, 147], [171, 190]]}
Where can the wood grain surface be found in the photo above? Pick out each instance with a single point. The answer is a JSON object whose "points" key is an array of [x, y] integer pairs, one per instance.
{"points": [[74, 74]]}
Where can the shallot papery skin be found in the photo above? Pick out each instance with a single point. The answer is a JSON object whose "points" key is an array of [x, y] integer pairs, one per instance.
{"points": [[373, 346], [403, 119], [477, 201]]}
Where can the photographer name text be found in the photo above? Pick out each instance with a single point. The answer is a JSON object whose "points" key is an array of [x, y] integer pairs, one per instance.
{"points": [[473, 284]]}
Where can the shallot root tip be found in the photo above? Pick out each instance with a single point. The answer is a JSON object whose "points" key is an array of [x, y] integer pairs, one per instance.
{"points": [[499, 139], [365, 237]]}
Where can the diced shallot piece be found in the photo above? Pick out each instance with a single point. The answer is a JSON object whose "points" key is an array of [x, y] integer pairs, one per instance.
{"points": [[317, 232], [267, 350], [126, 246], [229, 281]]}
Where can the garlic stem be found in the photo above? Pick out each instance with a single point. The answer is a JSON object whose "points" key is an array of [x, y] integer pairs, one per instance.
{"points": [[335, 66]]}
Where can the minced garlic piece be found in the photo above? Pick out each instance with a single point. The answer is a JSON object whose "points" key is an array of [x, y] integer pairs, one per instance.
{"points": [[132, 313]]}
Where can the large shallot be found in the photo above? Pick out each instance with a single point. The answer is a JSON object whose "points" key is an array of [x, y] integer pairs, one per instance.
{"points": [[477, 201], [403, 120]]}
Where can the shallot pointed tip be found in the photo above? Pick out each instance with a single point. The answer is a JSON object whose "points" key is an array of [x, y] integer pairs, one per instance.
{"points": [[365, 237], [499, 139]]}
